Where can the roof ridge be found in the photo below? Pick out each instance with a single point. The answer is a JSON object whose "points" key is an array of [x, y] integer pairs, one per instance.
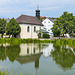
{"points": [[28, 19], [27, 15]]}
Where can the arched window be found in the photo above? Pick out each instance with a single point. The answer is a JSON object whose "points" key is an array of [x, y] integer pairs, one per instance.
{"points": [[28, 29], [34, 29]]}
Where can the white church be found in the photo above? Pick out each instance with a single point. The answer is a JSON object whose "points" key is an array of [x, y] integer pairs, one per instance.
{"points": [[31, 26]]}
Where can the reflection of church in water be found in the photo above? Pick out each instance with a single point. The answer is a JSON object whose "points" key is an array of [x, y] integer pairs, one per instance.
{"points": [[30, 53]]}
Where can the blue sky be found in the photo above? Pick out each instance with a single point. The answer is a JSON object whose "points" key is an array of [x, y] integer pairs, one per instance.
{"points": [[48, 8]]}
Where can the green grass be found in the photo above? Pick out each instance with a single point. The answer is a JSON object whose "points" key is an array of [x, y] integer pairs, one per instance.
{"points": [[16, 41], [6, 73], [69, 42], [19, 41]]}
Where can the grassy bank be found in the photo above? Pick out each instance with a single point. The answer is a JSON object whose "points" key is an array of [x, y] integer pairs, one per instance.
{"points": [[6, 73], [63, 42], [19, 41]]}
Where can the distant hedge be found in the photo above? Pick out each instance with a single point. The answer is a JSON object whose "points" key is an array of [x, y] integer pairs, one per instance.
{"points": [[46, 35]]}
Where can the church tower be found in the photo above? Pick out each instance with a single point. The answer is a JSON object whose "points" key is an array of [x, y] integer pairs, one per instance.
{"points": [[38, 13]]}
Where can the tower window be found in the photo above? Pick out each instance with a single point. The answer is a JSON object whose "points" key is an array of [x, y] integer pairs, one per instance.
{"points": [[34, 29], [28, 29]]}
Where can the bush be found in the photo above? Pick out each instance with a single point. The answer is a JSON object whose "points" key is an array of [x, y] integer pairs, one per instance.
{"points": [[46, 35], [56, 33], [73, 35]]}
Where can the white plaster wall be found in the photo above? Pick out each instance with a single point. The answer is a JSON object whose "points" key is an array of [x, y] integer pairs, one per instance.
{"points": [[34, 34], [31, 33], [24, 33]]}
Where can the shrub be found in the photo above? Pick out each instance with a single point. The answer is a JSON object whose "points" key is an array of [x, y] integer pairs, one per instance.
{"points": [[46, 35], [73, 35]]}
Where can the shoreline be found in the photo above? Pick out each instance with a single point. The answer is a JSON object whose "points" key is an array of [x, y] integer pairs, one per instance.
{"points": [[19, 41]]}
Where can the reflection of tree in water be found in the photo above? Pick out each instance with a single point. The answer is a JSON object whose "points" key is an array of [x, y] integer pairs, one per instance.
{"points": [[2, 53], [63, 56], [12, 52], [37, 63]]}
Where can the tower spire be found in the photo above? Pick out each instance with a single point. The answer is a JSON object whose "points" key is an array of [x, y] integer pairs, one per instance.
{"points": [[38, 12]]}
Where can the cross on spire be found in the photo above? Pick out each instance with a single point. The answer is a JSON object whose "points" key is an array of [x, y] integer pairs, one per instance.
{"points": [[37, 6]]}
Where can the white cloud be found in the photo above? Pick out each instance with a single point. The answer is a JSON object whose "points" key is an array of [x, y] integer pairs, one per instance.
{"points": [[22, 6]]}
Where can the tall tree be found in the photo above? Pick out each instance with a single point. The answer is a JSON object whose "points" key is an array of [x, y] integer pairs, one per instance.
{"points": [[13, 27], [2, 26], [64, 24], [58, 27]]}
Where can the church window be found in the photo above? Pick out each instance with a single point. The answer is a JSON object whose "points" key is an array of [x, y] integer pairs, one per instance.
{"points": [[28, 29], [34, 29]]}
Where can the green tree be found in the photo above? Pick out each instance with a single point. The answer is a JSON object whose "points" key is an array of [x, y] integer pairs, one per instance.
{"points": [[13, 27], [45, 35], [41, 19], [64, 24], [58, 27], [68, 22], [2, 26]]}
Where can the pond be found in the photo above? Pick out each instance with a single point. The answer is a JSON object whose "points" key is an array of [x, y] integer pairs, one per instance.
{"points": [[38, 58]]}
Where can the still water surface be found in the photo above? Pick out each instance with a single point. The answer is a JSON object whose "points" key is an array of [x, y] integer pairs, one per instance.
{"points": [[40, 59]]}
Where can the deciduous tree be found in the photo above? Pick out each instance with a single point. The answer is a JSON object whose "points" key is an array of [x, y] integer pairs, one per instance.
{"points": [[2, 26], [64, 24], [13, 27]]}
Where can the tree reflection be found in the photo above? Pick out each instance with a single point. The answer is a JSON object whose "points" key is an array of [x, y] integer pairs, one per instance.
{"points": [[37, 63], [64, 56], [2, 53], [12, 52]]}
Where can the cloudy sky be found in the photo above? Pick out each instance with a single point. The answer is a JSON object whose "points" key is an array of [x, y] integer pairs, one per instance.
{"points": [[48, 8]]}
